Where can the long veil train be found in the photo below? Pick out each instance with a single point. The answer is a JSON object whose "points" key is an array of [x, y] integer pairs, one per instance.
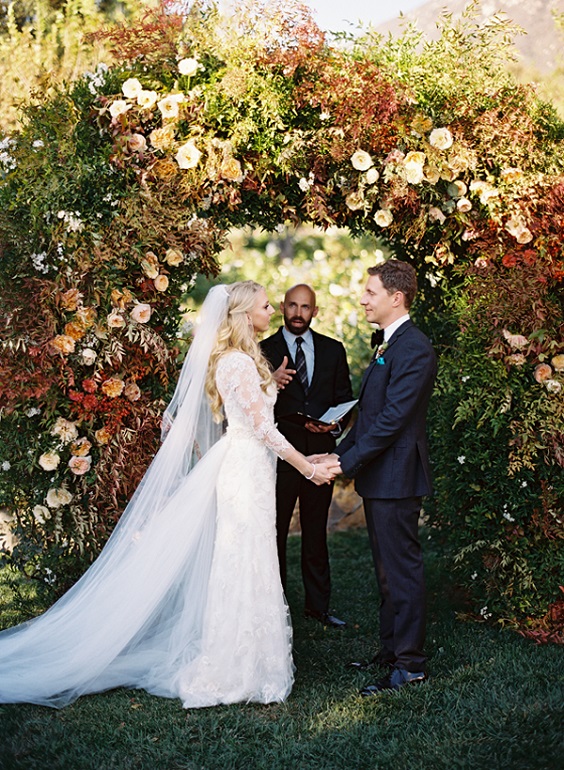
{"points": [[135, 617]]}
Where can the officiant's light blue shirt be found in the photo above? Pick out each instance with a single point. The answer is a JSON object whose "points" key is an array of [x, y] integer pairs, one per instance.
{"points": [[307, 347]]}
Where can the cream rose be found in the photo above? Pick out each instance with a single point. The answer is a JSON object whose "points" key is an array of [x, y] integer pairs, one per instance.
{"points": [[558, 362], [56, 497], [88, 356], [515, 340], [119, 107], [137, 143], [464, 205], [161, 283], [354, 201], [189, 66], [511, 174], [41, 513], [49, 461], [115, 320], [150, 265], [162, 138], [441, 138], [231, 170], [131, 88], [361, 160], [432, 174], [80, 465], [553, 386], [188, 156], [174, 257], [81, 447], [413, 164], [141, 313], [65, 430], [383, 218], [372, 176]]}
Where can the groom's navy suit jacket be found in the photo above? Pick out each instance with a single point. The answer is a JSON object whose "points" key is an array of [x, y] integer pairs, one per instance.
{"points": [[386, 450]]}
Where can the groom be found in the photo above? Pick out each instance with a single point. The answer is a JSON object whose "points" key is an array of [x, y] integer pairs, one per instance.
{"points": [[386, 453]]}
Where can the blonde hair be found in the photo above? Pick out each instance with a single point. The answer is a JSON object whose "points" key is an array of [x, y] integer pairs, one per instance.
{"points": [[236, 333]]}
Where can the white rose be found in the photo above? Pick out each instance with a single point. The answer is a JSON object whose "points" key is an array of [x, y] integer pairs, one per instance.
{"points": [[553, 386], [88, 356], [131, 88], [361, 160], [188, 156], [169, 105], [383, 217], [189, 67], [147, 99], [118, 107], [49, 461], [441, 138], [65, 430], [413, 164], [372, 176]]}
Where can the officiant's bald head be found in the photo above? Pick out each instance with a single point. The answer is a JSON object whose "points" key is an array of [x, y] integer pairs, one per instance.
{"points": [[298, 308]]}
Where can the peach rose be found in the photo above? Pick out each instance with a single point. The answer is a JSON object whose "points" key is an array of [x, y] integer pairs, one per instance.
{"points": [[132, 391], [80, 465], [141, 313], [63, 343], [162, 138], [558, 362], [70, 299], [81, 447], [86, 316], [137, 143], [231, 170], [542, 372], [75, 330], [102, 435], [113, 387], [515, 340], [161, 283], [517, 359]]}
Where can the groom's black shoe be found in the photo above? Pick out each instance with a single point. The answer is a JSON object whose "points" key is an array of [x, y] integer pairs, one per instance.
{"points": [[395, 680], [383, 658], [325, 618]]}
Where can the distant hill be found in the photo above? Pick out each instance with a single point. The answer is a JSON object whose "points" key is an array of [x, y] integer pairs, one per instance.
{"points": [[542, 46]]}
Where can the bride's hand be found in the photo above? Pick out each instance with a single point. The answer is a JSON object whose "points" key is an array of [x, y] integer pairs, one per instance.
{"points": [[325, 472]]}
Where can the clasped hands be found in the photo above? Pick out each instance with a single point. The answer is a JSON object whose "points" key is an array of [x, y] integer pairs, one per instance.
{"points": [[327, 466]]}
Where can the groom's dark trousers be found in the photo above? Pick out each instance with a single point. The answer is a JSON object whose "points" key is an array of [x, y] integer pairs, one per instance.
{"points": [[387, 455]]}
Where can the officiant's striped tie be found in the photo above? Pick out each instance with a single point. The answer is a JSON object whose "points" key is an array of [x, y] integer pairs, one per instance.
{"points": [[301, 367]]}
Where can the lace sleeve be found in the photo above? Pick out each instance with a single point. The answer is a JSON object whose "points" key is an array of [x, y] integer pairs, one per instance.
{"points": [[239, 385]]}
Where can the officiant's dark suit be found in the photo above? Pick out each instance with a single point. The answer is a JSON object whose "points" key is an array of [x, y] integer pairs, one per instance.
{"points": [[387, 455], [329, 384]]}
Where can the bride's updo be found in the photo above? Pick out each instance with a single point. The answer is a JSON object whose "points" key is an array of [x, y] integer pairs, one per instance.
{"points": [[236, 332]]}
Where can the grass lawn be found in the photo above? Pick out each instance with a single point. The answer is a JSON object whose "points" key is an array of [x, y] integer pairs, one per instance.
{"points": [[494, 701]]}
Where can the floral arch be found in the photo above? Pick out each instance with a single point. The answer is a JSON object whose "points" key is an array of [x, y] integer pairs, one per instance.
{"points": [[119, 189]]}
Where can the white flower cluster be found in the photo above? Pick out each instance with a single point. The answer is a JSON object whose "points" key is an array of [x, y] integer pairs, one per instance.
{"points": [[38, 261], [97, 78], [72, 220], [6, 465], [6, 160]]}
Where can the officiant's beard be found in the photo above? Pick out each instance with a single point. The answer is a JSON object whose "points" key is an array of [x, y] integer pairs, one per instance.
{"points": [[296, 324]]}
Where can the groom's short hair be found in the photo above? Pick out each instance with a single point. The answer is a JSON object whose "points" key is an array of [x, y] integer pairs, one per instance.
{"points": [[397, 276]]}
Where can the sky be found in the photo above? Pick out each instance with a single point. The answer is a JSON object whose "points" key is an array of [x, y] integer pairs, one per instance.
{"points": [[336, 15]]}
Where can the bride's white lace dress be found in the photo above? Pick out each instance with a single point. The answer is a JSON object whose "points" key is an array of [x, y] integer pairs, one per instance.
{"points": [[190, 603]]}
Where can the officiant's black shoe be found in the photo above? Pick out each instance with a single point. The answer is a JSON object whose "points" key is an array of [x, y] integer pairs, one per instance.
{"points": [[383, 658], [395, 680], [325, 618]]}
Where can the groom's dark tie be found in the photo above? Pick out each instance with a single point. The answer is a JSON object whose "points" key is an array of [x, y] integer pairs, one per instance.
{"points": [[301, 367], [377, 338]]}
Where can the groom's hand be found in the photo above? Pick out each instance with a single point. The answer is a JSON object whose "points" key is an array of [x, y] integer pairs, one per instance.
{"points": [[282, 375]]}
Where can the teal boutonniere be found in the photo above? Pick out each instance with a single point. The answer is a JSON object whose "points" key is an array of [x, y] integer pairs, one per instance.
{"points": [[379, 354]]}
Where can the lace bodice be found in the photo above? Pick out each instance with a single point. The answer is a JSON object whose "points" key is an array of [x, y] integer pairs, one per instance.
{"points": [[248, 409]]}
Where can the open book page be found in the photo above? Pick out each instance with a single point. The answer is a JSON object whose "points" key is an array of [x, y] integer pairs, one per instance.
{"points": [[330, 417]]}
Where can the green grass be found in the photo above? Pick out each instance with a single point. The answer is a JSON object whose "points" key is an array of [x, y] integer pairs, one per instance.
{"points": [[494, 701]]}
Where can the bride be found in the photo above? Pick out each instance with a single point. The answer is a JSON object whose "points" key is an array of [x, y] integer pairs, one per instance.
{"points": [[185, 599]]}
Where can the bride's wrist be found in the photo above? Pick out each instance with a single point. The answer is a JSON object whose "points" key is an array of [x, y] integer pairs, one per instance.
{"points": [[311, 474]]}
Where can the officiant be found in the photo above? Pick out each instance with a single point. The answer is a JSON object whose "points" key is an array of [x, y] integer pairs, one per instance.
{"points": [[312, 373]]}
